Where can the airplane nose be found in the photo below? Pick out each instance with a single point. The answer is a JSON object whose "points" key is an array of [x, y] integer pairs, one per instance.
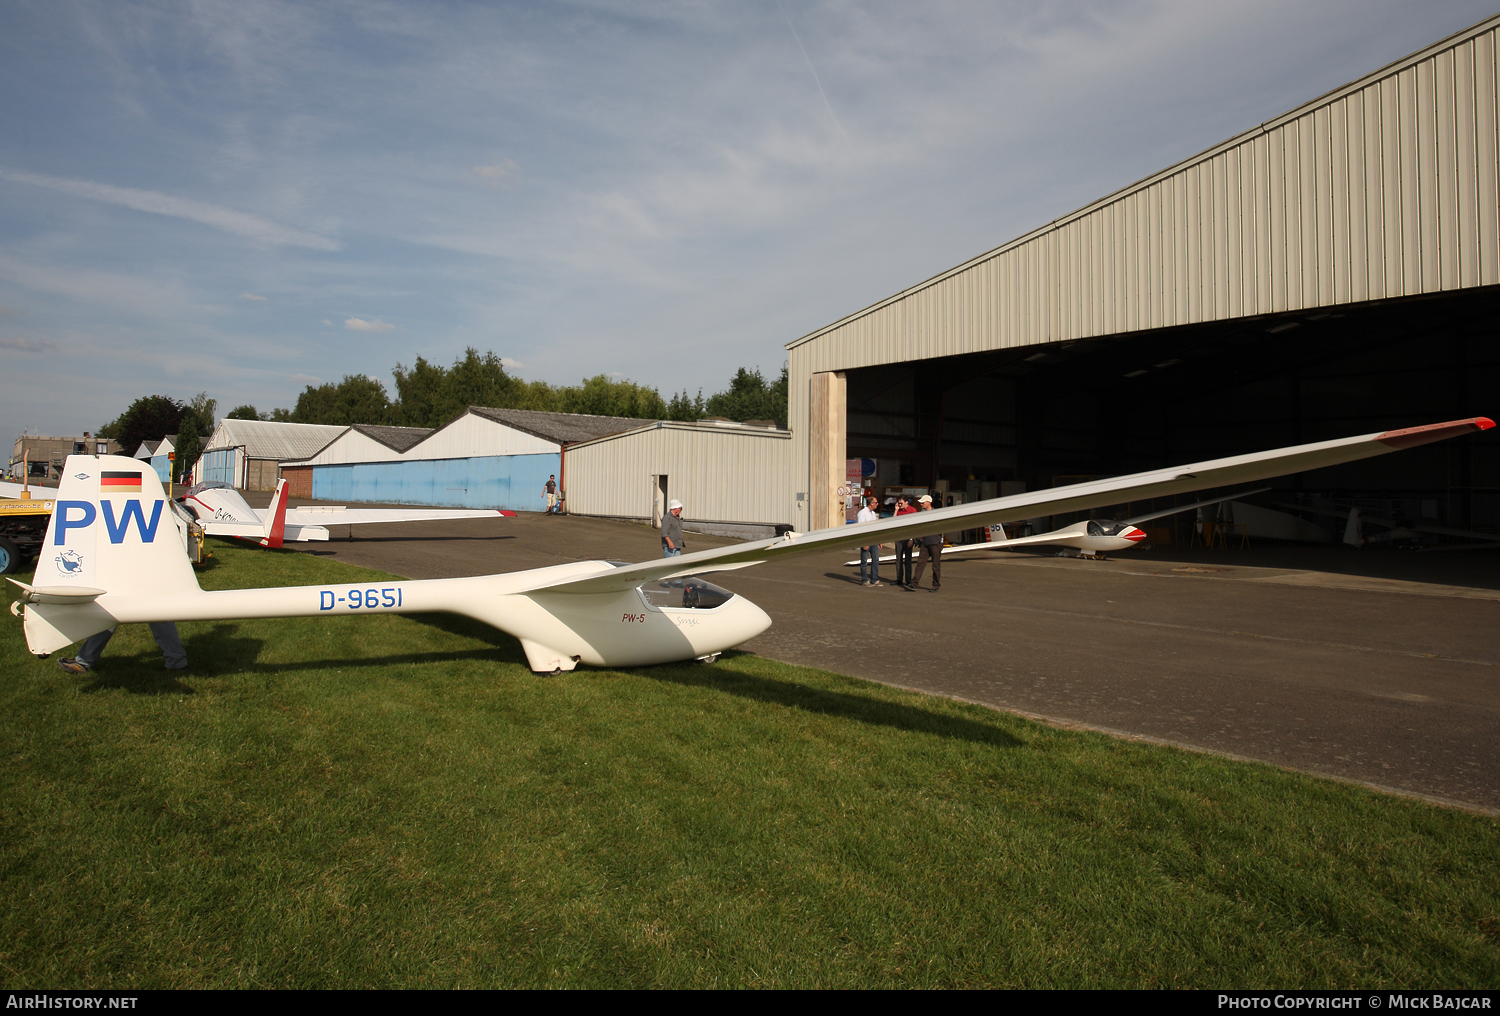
{"points": [[1133, 534]]}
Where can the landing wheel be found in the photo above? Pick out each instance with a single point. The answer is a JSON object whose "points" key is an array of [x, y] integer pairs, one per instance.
{"points": [[711, 657], [10, 557]]}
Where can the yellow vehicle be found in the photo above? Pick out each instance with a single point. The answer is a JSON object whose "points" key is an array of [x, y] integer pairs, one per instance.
{"points": [[23, 526]]}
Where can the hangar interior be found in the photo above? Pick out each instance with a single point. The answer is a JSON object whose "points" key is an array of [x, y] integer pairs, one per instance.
{"points": [[1061, 412]]}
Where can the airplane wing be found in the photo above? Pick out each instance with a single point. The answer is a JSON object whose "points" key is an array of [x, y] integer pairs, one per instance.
{"points": [[331, 515], [1189, 507], [1075, 497], [16, 490], [1420, 527]]}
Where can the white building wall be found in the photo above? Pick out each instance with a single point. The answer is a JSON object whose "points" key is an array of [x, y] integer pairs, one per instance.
{"points": [[352, 446], [472, 435], [720, 474]]}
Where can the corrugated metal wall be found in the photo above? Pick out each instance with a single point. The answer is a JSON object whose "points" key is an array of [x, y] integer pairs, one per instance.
{"points": [[1384, 188], [488, 481], [720, 474]]}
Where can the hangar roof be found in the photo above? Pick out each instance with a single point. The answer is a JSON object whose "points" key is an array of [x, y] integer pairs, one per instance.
{"points": [[397, 439], [565, 428], [263, 439]]}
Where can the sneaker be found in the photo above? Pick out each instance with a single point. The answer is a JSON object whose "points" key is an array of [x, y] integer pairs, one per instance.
{"points": [[175, 666], [877, 583], [73, 665]]}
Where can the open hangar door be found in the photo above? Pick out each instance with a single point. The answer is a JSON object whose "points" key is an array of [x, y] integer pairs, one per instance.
{"points": [[1044, 415]]}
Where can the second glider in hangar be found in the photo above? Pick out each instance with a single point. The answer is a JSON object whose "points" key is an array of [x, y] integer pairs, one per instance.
{"points": [[221, 511], [114, 555], [1091, 538]]}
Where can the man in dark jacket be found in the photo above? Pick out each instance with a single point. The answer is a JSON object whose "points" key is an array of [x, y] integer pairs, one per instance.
{"points": [[671, 530], [931, 550]]}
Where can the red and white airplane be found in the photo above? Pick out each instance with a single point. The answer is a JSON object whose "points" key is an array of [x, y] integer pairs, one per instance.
{"points": [[115, 554], [220, 510], [1091, 538]]}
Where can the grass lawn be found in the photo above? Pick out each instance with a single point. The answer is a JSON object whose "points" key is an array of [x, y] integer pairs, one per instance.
{"points": [[398, 802]]}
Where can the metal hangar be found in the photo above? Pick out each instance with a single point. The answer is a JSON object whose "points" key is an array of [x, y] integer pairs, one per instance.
{"points": [[1333, 271]]}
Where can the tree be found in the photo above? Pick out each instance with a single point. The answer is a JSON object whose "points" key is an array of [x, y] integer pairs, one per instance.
{"points": [[149, 418], [246, 412], [600, 396], [196, 426], [749, 397], [683, 408], [356, 399], [429, 396]]}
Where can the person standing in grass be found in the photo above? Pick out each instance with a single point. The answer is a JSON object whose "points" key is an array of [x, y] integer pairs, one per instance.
{"points": [[165, 633], [671, 530], [932, 550]]}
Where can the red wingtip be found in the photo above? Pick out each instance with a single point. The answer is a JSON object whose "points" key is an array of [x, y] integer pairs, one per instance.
{"points": [[507, 514], [1411, 437]]}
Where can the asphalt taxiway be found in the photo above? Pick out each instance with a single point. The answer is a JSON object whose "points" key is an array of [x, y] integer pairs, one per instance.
{"points": [[1381, 667]]}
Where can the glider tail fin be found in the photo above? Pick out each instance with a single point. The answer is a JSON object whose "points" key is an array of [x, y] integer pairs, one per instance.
{"points": [[1354, 533], [276, 518], [113, 545], [997, 533]]}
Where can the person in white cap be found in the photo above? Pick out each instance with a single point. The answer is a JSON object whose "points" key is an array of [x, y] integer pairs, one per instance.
{"points": [[671, 529], [932, 550]]}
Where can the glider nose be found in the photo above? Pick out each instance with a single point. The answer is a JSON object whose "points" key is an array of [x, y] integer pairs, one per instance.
{"points": [[1133, 534]]}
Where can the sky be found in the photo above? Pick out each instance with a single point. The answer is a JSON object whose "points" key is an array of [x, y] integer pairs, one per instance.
{"points": [[248, 197]]}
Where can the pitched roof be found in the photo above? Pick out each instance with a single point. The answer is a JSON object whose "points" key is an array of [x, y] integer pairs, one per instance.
{"points": [[395, 438], [263, 439], [561, 427]]}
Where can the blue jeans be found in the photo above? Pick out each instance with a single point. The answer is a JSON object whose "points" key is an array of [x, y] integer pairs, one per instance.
{"points": [[165, 633], [670, 551], [869, 556]]}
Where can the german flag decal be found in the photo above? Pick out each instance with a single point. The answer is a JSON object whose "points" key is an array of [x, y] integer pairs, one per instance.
{"points": [[119, 482]]}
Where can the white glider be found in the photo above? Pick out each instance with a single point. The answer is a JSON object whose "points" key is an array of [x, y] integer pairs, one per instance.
{"points": [[1089, 538], [1415, 532], [221, 511], [114, 554]]}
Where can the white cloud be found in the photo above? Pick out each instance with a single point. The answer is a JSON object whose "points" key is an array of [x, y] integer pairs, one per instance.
{"points": [[251, 296], [372, 377], [26, 345], [227, 219], [328, 322], [304, 379], [498, 170], [355, 324], [506, 361]]}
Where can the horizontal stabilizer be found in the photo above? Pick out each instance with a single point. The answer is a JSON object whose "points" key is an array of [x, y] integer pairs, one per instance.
{"points": [[57, 594]]}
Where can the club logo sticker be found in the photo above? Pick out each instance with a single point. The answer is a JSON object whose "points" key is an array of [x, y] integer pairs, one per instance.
{"points": [[69, 562]]}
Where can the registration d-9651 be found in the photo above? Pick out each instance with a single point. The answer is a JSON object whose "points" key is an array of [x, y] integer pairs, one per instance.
{"points": [[360, 599]]}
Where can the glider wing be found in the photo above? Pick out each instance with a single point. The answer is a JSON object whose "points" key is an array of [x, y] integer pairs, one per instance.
{"points": [[1076, 497]]}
